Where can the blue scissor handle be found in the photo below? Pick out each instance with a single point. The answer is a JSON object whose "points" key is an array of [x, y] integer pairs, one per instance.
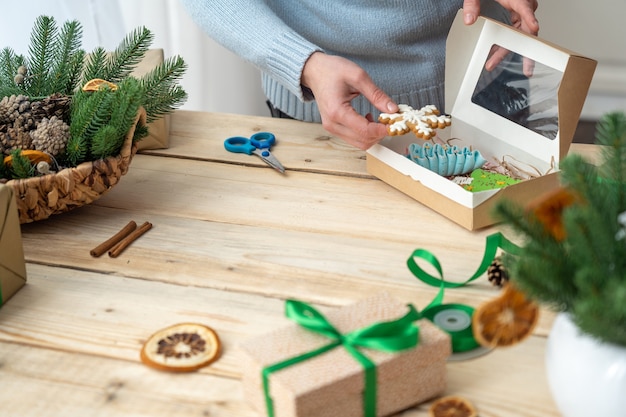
{"points": [[263, 140], [239, 144]]}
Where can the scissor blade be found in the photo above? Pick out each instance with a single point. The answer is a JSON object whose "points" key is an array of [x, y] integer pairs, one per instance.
{"points": [[270, 160]]}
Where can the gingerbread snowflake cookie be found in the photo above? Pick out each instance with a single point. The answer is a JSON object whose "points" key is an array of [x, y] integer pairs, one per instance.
{"points": [[422, 122]]}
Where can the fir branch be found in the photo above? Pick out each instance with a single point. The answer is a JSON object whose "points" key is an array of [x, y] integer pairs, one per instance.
{"points": [[41, 54], [20, 165], [584, 272], [89, 113], [162, 94], [105, 141], [128, 54], [75, 150], [66, 47], [75, 70], [9, 63], [8, 67], [96, 64], [125, 105]]}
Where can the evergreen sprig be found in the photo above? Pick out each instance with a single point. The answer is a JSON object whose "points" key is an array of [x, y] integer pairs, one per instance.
{"points": [[20, 165], [128, 54], [583, 273], [98, 120], [68, 58], [161, 90]]}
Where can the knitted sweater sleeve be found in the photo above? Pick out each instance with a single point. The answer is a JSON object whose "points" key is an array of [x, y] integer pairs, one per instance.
{"points": [[255, 33]]}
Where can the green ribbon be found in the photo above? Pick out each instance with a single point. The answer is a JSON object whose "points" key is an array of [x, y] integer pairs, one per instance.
{"points": [[461, 341], [390, 336]]}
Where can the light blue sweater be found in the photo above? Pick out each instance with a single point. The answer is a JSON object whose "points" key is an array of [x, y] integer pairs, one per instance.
{"points": [[400, 43]]}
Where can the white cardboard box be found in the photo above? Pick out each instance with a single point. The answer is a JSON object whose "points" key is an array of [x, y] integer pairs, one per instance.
{"points": [[537, 142]]}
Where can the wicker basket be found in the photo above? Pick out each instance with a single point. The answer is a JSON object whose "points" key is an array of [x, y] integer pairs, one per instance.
{"points": [[40, 197]]}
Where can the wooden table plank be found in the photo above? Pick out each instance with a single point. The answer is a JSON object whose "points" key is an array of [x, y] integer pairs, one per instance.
{"points": [[261, 249], [91, 350], [299, 146]]}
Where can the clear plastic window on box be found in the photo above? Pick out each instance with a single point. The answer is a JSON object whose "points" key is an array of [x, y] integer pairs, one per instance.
{"points": [[528, 100]]}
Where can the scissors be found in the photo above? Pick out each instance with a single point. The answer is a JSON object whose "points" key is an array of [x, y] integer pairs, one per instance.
{"points": [[258, 144]]}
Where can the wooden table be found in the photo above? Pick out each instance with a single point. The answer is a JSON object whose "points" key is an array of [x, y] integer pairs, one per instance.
{"points": [[232, 239]]}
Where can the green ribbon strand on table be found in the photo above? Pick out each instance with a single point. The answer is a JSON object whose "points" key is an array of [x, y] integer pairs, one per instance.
{"points": [[462, 339], [390, 336]]}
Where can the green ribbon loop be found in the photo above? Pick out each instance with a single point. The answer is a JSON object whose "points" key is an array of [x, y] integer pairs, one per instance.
{"points": [[390, 336], [461, 341]]}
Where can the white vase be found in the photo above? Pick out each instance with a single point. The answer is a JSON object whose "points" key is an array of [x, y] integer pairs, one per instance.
{"points": [[587, 378]]}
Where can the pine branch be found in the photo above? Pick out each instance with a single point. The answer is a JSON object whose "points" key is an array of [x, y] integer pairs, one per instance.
{"points": [[161, 89], [75, 70], [8, 69], [124, 107], [75, 150], [96, 64], [104, 142], [89, 113], [65, 49], [41, 54], [20, 165], [128, 54], [9, 63]]}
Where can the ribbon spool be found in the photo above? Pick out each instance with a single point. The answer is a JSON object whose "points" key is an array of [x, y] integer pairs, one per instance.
{"points": [[456, 320]]}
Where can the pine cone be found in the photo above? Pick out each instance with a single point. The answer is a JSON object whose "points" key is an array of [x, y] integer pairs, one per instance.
{"points": [[55, 105], [51, 136], [15, 123], [496, 273], [14, 138], [11, 107]]}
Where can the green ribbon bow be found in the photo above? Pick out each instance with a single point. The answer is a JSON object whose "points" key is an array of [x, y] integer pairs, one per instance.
{"points": [[390, 336], [464, 340]]}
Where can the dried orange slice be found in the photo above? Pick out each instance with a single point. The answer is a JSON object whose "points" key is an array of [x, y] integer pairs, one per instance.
{"points": [[33, 155], [505, 320], [183, 347], [97, 84], [452, 406]]}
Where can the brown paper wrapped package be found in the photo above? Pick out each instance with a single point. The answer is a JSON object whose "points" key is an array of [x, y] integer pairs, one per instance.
{"points": [[159, 137], [12, 266], [331, 384]]}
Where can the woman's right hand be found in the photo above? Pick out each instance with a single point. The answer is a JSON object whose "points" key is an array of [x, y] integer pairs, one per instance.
{"points": [[335, 82]]}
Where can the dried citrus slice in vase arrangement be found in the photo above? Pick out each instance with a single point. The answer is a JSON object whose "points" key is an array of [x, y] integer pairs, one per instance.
{"points": [[506, 320], [183, 347]]}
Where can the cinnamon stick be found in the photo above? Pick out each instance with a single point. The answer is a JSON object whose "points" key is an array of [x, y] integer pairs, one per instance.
{"points": [[119, 248], [113, 240]]}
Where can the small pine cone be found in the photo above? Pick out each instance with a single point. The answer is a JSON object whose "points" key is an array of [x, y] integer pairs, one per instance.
{"points": [[11, 107], [51, 136], [55, 105], [14, 139], [496, 273]]}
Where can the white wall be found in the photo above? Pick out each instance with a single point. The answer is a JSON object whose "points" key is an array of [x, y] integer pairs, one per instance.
{"points": [[217, 80], [598, 30]]}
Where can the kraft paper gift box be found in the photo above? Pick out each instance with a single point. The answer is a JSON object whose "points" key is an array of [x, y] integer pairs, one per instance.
{"points": [[534, 140], [332, 384], [12, 266], [159, 130]]}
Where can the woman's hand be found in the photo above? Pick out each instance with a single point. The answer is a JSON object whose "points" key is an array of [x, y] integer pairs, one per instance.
{"points": [[335, 82], [522, 17]]}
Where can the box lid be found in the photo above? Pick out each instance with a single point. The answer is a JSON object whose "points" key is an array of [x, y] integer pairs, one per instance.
{"points": [[541, 130]]}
